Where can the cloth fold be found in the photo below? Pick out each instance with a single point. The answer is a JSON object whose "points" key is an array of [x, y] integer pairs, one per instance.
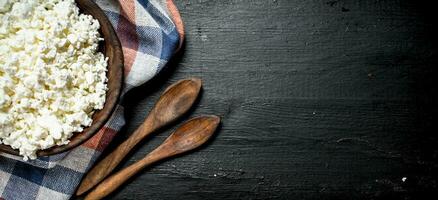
{"points": [[150, 32]]}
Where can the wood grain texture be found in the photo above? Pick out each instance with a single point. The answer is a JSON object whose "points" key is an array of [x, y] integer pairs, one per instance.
{"points": [[112, 49], [316, 102], [176, 100], [187, 137]]}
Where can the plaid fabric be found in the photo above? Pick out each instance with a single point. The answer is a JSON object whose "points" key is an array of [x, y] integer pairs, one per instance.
{"points": [[150, 32]]}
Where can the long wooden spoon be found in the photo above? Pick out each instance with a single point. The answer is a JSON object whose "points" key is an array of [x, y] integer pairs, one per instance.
{"points": [[190, 135], [173, 103]]}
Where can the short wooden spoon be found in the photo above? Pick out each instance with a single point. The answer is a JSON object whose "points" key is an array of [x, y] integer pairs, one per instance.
{"points": [[173, 103], [190, 135]]}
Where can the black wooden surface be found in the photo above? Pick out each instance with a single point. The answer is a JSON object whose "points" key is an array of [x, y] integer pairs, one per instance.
{"points": [[319, 100]]}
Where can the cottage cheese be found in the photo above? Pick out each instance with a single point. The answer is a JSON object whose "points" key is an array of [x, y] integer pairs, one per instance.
{"points": [[52, 77]]}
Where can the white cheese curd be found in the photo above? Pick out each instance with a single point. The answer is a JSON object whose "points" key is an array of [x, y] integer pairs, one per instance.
{"points": [[52, 77]]}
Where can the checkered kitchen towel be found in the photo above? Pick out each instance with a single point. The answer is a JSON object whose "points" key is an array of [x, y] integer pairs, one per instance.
{"points": [[150, 32]]}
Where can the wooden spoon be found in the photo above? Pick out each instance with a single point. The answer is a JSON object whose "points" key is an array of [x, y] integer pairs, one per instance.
{"points": [[190, 135], [173, 103]]}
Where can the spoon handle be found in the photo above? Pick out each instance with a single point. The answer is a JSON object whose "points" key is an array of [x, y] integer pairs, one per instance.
{"points": [[188, 136], [113, 182], [174, 102], [107, 165]]}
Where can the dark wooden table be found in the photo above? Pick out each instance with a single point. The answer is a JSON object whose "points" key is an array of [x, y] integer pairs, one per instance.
{"points": [[320, 99]]}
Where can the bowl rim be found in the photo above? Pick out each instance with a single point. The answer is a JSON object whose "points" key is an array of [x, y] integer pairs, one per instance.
{"points": [[116, 62]]}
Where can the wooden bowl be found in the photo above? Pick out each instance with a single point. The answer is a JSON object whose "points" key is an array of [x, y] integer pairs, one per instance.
{"points": [[113, 50]]}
